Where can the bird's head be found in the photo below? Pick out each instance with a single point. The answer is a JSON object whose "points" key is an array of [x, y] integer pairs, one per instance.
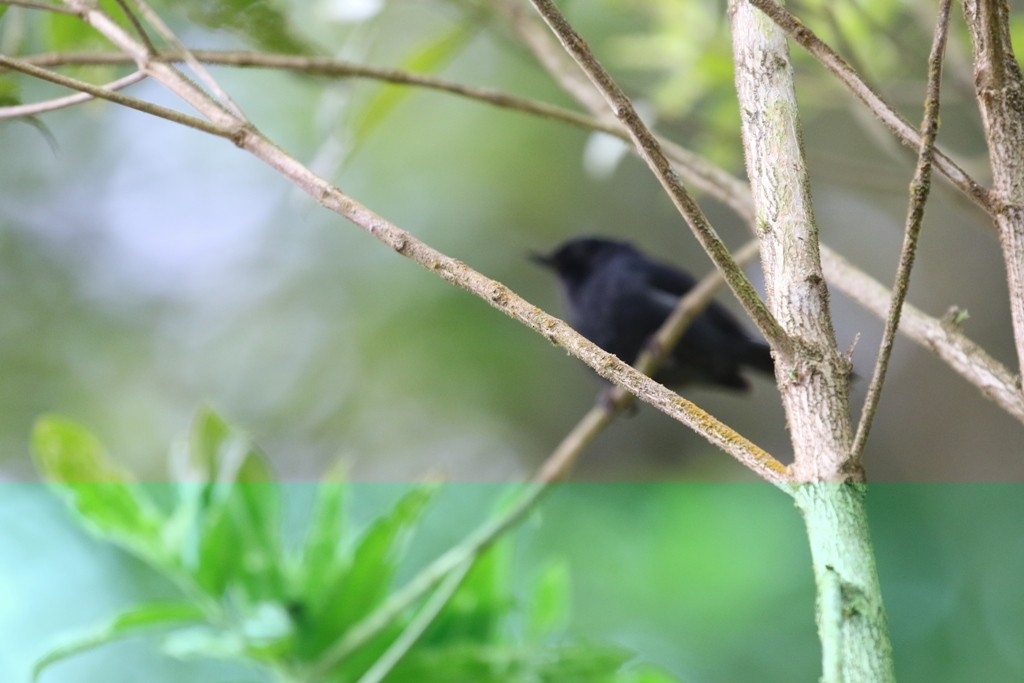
{"points": [[575, 259]]}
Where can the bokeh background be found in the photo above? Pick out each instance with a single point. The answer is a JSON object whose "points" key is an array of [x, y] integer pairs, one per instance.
{"points": [[146, 270]]}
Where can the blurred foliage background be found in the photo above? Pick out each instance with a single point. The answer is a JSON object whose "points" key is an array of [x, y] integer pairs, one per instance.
{"points": [[146, 269]]}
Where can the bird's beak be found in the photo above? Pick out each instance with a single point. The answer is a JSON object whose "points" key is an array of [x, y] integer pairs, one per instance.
{"points": [[541, 259]]}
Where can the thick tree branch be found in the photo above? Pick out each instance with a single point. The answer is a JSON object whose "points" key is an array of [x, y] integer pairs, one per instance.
{"points": [[999, 83], [919, 189], [814, 380]]}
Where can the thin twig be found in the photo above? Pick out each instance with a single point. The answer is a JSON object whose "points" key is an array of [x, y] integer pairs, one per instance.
{"points": [[324, 66], [165, 74], [919, 190], [649, 149], [118, 98], [943, 337], [41, 5], [383, 665], [36, 108], [881, 109], [197, 68], [137, 25]]}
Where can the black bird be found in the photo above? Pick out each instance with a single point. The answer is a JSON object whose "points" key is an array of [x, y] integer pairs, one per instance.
{"points": [[618, 298]]}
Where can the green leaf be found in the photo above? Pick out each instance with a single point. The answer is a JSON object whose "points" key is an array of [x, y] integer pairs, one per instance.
{"points": [[10, 92], [133, 622], [228, 524], [334, 607], [424, 59], [262, 635], [466, 663], [320, 560], [549, 606], [265, 24], [478, 608], [218, 452], [644, 674], [100, 493]]}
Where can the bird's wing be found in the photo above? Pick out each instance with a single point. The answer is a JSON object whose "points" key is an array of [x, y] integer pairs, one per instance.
{"points": [[676, 283]]}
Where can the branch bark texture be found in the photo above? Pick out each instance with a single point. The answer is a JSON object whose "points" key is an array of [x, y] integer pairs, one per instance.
{"points": [[813, 380], [999, 84]]}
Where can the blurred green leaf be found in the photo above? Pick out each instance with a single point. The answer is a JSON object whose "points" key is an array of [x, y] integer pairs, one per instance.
{"points": [[265, 24], [68, 33], [366, 580], [464, 663], [101, 494], [237, 513], [549, 604], [132, 622], [320, 560], [645, 674], [426, 58], [478, 608], [216, 452], [10, 92]]}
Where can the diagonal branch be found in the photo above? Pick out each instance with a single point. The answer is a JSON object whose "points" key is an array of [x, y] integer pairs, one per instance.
{"points": [[197, 68], [942, 337], [36, 108], [649, 149], [40, 5], [116, 97], [919, 189]]}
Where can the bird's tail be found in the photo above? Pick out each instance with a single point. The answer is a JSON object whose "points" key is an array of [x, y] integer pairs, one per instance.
{"points": [[759, 357]]}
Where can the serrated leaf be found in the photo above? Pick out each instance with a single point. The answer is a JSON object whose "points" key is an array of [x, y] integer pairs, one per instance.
{"points": [[132, 622], [99, 492]]}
